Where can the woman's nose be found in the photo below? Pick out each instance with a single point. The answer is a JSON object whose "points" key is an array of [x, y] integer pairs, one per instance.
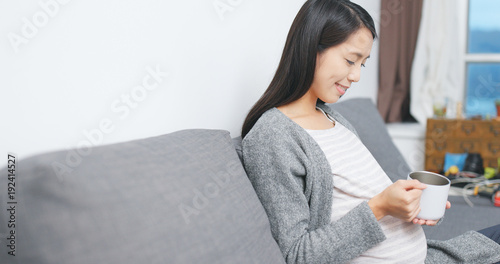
{"points": [[354, 74]]}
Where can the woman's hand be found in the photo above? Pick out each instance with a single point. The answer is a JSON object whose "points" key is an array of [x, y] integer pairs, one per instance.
{"points": [[401, 200], [430, 222]]}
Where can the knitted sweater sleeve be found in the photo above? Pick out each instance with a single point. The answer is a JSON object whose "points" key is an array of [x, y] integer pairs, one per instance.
{"points": [[470, 247], [282, 175]]}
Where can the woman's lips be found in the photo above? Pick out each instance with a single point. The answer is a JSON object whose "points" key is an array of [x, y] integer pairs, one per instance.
{"points": [[342, 89]]}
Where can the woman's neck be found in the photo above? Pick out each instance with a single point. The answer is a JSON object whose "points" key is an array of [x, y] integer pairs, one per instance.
{"points": [[304, 113], [305, 106]]}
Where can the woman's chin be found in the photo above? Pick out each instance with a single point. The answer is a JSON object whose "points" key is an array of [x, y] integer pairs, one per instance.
{"points": [[332, 99]]}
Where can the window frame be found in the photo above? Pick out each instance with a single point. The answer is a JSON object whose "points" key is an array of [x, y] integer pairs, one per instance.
{"points": [[465, 57]]}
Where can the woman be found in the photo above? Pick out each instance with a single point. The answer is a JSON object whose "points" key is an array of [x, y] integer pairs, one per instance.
{"points": [[327, 199]]}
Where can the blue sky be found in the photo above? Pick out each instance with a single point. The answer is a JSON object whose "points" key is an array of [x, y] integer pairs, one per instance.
{"points": [[484, 14]]}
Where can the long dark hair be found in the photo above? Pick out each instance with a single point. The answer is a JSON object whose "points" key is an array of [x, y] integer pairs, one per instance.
{"points": [[319, 25]]}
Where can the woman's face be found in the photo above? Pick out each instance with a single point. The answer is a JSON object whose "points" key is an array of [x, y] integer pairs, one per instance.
{"points": [[339, 66]]}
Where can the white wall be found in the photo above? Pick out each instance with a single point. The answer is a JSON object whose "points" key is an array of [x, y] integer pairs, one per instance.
{"points": [[410, 140], [71, 71]]}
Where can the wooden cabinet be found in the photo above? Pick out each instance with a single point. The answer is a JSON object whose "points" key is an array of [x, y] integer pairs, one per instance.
{"points": [[461, 136]]}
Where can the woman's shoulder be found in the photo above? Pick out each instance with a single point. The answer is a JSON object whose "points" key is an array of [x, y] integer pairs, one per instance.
{"points": [[274, 130], [272, 123]]}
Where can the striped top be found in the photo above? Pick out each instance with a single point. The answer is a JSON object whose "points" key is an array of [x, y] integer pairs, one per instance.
{"points": [[357, 177]]}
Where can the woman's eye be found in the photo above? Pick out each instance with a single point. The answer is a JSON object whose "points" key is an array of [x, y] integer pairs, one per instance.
{"points": [[362, 65], [350, 62]]}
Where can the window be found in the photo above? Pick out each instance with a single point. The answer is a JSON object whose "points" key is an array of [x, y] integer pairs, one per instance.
{"points": [[482, 57]]}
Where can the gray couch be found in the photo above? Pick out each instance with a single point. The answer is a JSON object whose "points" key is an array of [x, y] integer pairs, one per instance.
{"points": [[177, 198]]}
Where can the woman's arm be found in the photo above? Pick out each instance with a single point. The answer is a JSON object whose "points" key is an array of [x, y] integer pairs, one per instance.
{"points": [[278, 170]]}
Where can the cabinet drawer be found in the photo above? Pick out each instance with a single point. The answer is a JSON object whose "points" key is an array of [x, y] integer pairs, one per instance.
{"points": [[437, 147], [467, 145], [490, 162], [491, 148], [440, 129], [469, 128], [492, 130], [434, 163]]}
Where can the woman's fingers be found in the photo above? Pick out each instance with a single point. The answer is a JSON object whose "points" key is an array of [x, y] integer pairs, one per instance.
{"points": [[425, 222], [402, 199], [413, 184], [415, 213], [431, 222]]}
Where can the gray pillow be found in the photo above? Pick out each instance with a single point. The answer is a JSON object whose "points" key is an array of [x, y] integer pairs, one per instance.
{"points": [[177, 198]]}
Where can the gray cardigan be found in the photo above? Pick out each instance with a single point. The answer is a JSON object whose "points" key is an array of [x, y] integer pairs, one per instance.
{"points": [[292, 179]]}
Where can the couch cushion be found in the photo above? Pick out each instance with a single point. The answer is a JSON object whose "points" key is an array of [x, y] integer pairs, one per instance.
{"points": [[177, 198], [461, 218]]}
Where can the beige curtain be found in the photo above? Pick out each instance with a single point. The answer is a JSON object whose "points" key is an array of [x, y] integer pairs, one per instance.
{"points": [[436, 67], [399, 25]]}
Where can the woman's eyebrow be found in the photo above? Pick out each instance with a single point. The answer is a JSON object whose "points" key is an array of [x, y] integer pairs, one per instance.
{"points": [[359, 55]]}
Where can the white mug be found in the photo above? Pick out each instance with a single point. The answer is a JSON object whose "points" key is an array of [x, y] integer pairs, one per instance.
{"points": [[434, 197]]}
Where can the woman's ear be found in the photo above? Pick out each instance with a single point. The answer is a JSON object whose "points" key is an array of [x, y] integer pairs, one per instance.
{"points": [[319, 58]]}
